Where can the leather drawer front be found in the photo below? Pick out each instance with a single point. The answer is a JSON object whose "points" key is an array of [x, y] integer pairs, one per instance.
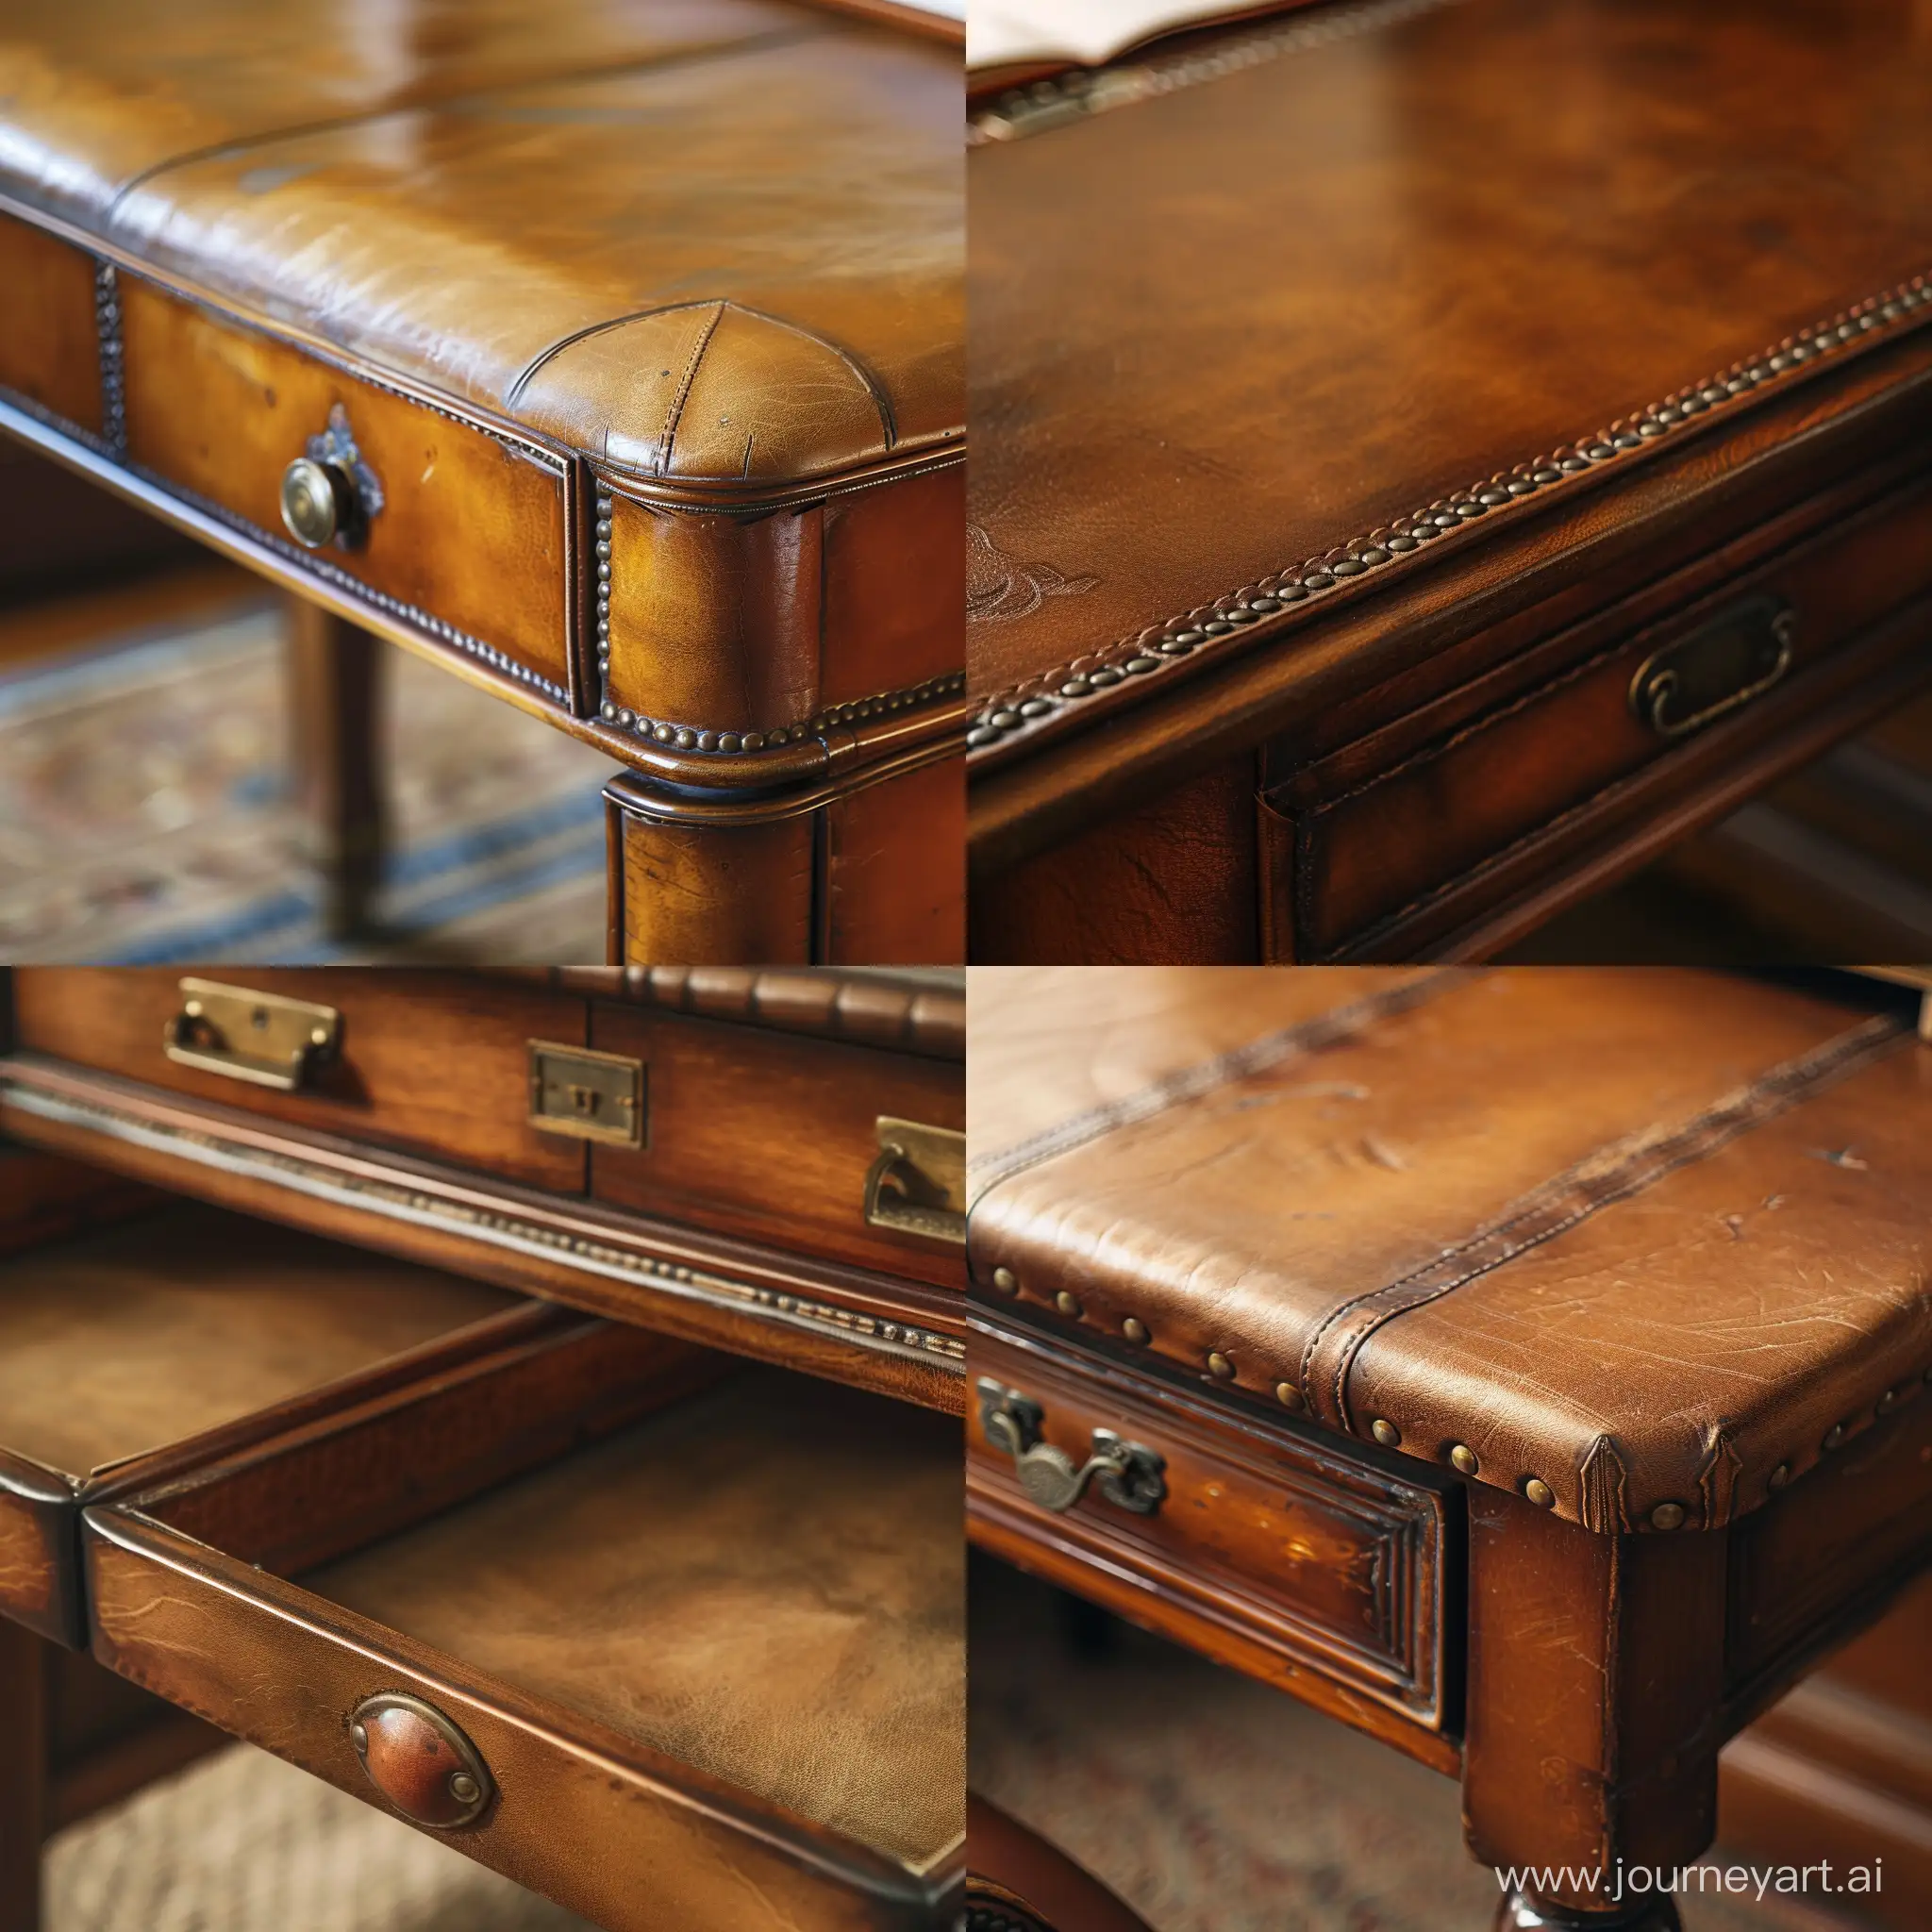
{"points": [[703, 1636], [1323, 1576], [48, 351], [1374, 854], [434, 1063], [769, 1135], [472, 528], [142, 1347]]}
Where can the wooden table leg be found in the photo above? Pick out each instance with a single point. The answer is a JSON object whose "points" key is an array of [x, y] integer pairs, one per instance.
{"points": [[23, 1774], [335, 686], [1595, 1687]]}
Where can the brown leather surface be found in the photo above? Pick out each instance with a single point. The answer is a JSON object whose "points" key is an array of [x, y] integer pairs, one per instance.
{"points": [[1259, 317], [1648, 1238], [129, 1340], [454, 193], [765, 1581]]}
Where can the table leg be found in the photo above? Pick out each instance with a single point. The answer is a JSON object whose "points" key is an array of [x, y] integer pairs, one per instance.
{"points": [[1595, 1688], [335, 682], [23, 1774]]}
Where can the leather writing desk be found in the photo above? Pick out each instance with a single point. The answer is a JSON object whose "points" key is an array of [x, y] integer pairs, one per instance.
{"points": [[610, 356], [1430, 455], [1527, 1368], [654, 1629]]}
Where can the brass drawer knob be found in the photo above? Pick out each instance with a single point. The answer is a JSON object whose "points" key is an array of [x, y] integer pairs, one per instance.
{"points": [[317, 502], [420, 1761], [1131, 1476]]}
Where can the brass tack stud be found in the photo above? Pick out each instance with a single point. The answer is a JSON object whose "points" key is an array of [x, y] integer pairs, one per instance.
{"points": [[1888, 1402], [1539, 1493], [1464, 1457], [1385, 1433], [1667, 1516], [463, 1788], [1833, 1435], [1006, 1281], [1780, 1476], [1066, 1303], [1134, 1329], [1287, 1395], [1220, 1367]]}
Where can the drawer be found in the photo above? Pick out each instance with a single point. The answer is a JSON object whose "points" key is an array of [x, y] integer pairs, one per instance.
{"points": [[1364, 846], [458, 523], [1321, 1573], [49, 348], [436, 1063], [774, 1136], [135, 1350], [705, 1670]]}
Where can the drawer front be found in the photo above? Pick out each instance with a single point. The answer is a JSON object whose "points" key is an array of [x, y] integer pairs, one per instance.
{"points": [[470, 531], [533, 1533], [434, 1063], [48, 345], [1367, 857], [1322, 1574], [38, 1585], [773, 1135]]}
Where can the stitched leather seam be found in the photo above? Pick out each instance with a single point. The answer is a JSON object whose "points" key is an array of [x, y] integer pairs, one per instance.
{"points": [[1611, 1174], [1161, 647], [1336, 1028]]}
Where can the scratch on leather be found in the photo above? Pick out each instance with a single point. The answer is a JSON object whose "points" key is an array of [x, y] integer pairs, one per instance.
{"points": [[1333, 1028], [1611, 1174]]}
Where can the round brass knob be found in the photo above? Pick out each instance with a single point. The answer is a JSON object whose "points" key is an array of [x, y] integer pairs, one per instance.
{"points": [[420, 1761], [318, 500]]}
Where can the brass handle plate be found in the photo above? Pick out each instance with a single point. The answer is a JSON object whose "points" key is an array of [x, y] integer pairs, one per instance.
{"points": [[917, 1184], [1131, 1476], [265, 1038], [587, 1096], [1721, 665], [329, 494], [420, 1761]]}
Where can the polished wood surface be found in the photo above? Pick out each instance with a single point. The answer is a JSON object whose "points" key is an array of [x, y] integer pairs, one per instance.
{"points": [[336, 680], [1015, 1871]]}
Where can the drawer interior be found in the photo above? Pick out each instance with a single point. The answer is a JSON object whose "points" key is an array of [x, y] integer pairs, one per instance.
{"points": [[764, 1580], [131, 1339]]}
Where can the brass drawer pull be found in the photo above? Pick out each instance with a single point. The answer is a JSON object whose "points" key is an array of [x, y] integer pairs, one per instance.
{"points": [[1721, 665], [263, 1037], [330, 494], [918, 1183], [420, 1761], [587, 1096], [1132, 1476]]}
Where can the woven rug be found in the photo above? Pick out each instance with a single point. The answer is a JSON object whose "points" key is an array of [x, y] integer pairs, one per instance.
{"points": [[144, 814], [242, 1842], [1214, 1804]]}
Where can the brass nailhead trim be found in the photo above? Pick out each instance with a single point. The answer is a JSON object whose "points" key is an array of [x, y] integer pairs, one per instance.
{"points": [[1134, 1329], [1539, 1493], [1385, 1433], [1888, 1402], [1287, 1395], [1066, 1303], [1006, 1281], [1464, 1457], [1221, 1367], [1833, 1436], [1667, 1516], [1780, 1476]]}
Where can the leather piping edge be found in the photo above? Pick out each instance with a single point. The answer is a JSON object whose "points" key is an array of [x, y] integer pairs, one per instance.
{"points": [[1022, 710]]}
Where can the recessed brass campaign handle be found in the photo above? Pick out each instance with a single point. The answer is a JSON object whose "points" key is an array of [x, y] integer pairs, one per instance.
{"points": [[917, 1184], [1131, 1476], [265, 1038], [1721, 665], [420, 1761]]}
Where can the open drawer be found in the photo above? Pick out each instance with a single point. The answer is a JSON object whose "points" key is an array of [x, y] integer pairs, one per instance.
{"points": [[707, 1673], [133, 1351]]}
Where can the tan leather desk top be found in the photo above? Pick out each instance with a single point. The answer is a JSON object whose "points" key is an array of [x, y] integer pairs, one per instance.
{"points": [[709, 241], [1657, 1242], [1254, 322]]}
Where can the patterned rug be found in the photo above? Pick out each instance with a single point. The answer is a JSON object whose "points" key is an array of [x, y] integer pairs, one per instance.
{"points": [[1213, 1804], [242, 1842], [144, 814]]}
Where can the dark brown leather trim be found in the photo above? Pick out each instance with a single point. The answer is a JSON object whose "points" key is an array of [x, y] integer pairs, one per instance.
{"points": [[1332, 1029], [1613, 1173]]}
